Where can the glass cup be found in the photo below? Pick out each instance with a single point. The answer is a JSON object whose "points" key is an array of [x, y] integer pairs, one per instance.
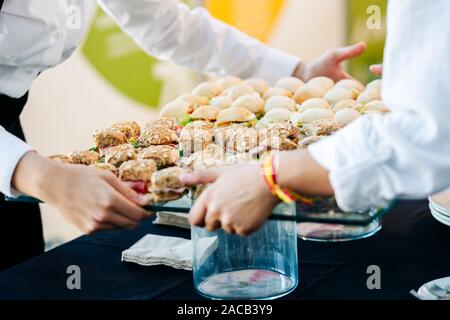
{"points": [[263, 265]]}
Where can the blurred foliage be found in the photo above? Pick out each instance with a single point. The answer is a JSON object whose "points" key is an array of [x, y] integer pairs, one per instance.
{"points": [[358, 30]]}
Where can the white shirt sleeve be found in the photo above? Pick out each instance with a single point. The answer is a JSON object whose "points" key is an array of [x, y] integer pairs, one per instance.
{"points": [[169, 30], [13, 149], [405, 154]]}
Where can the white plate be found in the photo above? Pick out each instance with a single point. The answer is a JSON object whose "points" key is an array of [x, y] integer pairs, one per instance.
{"points": [[442, 282], [441, 218], [439, 210]]}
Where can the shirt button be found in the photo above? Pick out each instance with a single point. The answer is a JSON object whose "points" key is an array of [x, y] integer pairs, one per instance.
{"points": [[56, 36], [29, 70]]}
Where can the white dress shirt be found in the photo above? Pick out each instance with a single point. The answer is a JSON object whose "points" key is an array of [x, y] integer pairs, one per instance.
{"points": [[37, 35], [405, 154]]}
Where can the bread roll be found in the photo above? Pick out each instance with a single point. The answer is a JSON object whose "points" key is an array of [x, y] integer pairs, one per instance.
{"points": [[252, 103], [259, 85], [282, 102], [176, 109], [277, 92], [221, 102], [312, 104], [311, 115], [309, 91], [346, 104], [207, 89], [345, 116], [369, 95], [238, 91], [376, 105], [325, 82], [338, 94], [350, 84], [291, 84], [234, 115], [205, 113]]}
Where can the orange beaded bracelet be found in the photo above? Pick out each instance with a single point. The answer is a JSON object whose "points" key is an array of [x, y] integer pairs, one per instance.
{"points": [[269, 175]]}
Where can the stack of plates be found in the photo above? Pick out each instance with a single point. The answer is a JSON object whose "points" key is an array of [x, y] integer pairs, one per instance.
{"points": [[440, 207]]}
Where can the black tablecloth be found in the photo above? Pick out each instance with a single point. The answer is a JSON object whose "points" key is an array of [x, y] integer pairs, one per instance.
{"points": [[411, 249]]}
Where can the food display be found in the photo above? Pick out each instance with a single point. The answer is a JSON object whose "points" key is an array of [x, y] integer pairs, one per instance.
{"points": [[225, 122]]}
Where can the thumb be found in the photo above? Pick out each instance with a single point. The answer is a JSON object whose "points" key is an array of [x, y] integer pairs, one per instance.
{"points": [[350, 52], [202, 176]]}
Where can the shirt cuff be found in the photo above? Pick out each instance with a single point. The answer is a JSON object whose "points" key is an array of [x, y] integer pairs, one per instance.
{"points": [[13, 150], [277, 64]]}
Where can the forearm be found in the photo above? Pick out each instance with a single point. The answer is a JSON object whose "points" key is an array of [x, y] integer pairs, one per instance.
{"points": [[169, 30], [298, 171]]}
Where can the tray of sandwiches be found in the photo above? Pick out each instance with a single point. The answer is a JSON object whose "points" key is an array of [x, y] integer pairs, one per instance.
{"points": [[224, 122]]}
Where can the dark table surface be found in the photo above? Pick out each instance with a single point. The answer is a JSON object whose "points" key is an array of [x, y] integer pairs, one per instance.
{"points": [[411, 249]]}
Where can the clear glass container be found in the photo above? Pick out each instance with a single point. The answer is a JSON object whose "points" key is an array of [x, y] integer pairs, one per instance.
{"points": [[263, 265]]}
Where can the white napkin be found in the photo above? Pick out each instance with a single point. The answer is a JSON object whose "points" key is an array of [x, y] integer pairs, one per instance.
{"points": [[170, 251]]}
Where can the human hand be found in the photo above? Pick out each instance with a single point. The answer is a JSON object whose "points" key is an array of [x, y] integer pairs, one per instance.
{"points": [[329, 64], [91, 199], [376, 69], [238, 200]]}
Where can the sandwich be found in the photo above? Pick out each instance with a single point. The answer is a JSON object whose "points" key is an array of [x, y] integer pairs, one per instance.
{"points": [[236, 115], [280, 129], [110, 137], [158, 135], [164, 155], [350, 84], [84, 157], [338, 94], [105, 166], [166, 184], [274, 115], [228, 82], [221, 102], [238, 91], [194, 139], [237, 139], [280, 102], [346, 116], [309, 91], [211, 156], [208, 90], [137, 174], [314, 103], [177, 109], [272, 92], [311, 115], [252, 103], [170, 123], [289, 83], [60, 158], [273, 143], [324, 82], [259, 85], [130, 129], [120, 154], [207, 113], [323, 127], [193, 100]]}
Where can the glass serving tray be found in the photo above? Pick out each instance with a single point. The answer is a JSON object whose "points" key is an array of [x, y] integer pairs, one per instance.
{"points": [[284, 213]]}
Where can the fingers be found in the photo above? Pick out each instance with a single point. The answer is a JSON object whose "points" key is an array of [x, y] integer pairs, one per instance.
{"points": [[129, 209], [376, 69], [125, 190], [198, 211], [202, 176], [349, 52]]}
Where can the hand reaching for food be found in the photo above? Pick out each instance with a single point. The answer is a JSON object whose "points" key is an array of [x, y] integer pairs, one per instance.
{"points": [[91, 199], [330, 63]]}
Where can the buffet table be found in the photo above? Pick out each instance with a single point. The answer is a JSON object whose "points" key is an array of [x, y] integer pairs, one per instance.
{"points": [[411, 249]]}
